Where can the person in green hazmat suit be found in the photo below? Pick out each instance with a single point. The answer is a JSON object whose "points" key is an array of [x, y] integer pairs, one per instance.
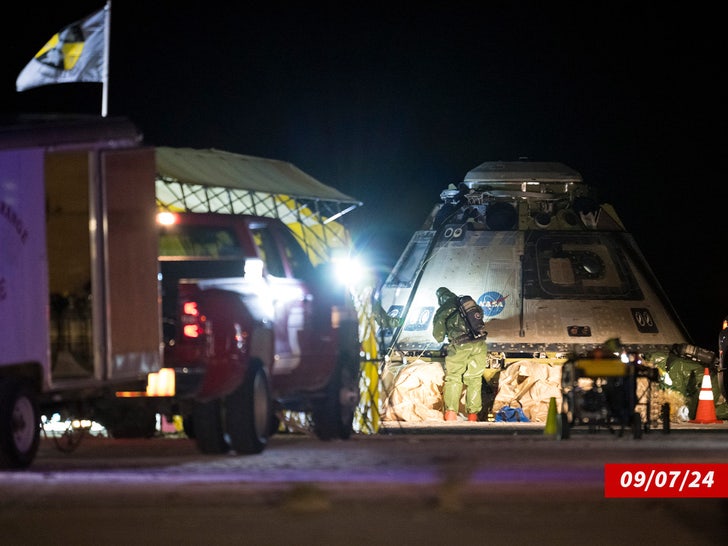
{"points": [[466, 359]]}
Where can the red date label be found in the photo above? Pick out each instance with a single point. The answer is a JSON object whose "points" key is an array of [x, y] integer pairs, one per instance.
{"points": [[665, 480]]}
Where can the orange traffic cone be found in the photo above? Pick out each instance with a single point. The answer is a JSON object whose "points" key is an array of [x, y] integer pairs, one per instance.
{"points": [[706, 407]]}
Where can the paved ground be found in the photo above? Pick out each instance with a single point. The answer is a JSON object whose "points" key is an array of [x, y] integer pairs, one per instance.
{"points": [[401, 488]]}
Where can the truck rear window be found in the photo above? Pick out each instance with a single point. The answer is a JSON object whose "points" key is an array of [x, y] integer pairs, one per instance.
{"points": [[199, 242]]}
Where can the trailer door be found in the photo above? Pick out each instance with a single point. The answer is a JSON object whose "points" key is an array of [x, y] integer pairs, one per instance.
{"points": [[132, 295]]}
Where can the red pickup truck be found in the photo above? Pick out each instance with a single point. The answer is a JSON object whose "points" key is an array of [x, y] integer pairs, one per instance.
{"points": [[251, 326]]}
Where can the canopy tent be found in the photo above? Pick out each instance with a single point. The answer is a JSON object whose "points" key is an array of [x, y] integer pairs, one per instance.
{"points": [[223, 182], [227, 183]]}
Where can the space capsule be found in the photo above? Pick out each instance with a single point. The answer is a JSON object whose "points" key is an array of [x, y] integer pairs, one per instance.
{"points": [[555, 271]]}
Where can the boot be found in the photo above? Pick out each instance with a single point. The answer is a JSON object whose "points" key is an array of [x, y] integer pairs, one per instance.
{"points": [[450, 415], [473, 417]]}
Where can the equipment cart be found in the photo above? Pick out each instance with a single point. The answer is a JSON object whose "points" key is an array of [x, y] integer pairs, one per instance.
{"points": [[609, 392]]}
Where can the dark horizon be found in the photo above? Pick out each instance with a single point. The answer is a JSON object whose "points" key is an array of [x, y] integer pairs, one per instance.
{"points": [[390, 104]]}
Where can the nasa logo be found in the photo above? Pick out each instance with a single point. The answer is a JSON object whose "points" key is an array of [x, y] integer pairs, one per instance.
{"points": [[492, 303]]}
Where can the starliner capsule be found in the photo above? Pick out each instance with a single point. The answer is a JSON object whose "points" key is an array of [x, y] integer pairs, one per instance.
{"points": [[555, 271]]}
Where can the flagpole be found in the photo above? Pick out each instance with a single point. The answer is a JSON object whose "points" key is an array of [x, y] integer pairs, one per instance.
{"points": [[105, 68]]}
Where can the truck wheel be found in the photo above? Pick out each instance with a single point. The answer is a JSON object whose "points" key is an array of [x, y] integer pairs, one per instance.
{"points": [[19, 425], [248, 413], [333, 415], [208, 427]]}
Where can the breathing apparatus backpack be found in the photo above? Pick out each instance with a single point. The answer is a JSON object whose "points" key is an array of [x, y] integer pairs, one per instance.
{"points": [[473, 317]]}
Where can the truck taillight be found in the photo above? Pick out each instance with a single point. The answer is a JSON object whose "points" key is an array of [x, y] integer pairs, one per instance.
{"points": [[193, 322], [190, 308]]}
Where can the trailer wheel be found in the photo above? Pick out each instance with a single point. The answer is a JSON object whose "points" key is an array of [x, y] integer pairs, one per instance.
{"points": [[248, 413], [208, 427], [19, 424]]}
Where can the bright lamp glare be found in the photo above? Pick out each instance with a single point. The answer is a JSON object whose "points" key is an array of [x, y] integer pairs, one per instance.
{"points": [[348, 270], [166, 218]]}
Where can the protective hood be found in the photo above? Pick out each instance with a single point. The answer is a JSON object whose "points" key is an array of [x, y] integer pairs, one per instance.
{"points": [[444, 294]]}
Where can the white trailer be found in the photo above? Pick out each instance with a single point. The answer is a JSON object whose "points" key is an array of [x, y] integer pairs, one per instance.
{"points": [[79, 302]]}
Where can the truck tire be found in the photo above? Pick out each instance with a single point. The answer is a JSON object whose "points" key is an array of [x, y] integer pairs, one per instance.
{"points": [[333, 414], [248, 414], [19, 424], [208, 427]]}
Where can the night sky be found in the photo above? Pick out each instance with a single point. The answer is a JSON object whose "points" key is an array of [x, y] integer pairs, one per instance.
{"points": [[391, 102]]}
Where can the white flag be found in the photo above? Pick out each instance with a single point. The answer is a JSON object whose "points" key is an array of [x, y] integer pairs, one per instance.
{"points": [[74, 54]]}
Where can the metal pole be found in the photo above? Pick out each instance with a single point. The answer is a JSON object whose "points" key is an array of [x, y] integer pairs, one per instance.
{"points": [[105, 68]]}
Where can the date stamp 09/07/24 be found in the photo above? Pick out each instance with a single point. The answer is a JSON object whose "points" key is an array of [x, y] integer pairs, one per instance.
{"points": [[665, 480]]}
